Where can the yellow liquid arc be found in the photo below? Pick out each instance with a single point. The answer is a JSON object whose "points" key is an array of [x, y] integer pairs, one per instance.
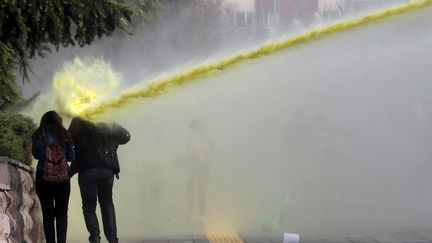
{"points": [[79, 106]]}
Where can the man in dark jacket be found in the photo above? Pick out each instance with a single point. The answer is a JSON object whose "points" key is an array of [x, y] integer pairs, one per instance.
{"points": [[96, 163]]}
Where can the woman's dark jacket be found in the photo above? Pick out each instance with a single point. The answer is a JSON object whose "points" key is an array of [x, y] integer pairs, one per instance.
{"points": [[96, 145], [46, 136]]}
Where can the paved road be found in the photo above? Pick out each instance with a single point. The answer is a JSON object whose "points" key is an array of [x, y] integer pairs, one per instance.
{"points": [[414, 236]]}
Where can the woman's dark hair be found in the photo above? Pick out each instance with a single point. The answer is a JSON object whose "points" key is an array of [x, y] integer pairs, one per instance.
{"points": [[52, 119]]}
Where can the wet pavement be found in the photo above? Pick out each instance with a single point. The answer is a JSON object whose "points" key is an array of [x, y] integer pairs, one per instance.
{"points": [[412, 236]]}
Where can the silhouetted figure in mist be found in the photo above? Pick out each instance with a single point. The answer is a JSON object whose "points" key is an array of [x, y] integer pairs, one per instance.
{"points": [[96, 164], [197, 163], [53, 196]]}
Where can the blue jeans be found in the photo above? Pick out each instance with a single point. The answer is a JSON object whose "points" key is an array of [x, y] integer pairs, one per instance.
{"points": [[96, 184]]}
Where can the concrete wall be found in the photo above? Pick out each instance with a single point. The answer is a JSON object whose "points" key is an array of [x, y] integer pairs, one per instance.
{"points": [[20, 211]]}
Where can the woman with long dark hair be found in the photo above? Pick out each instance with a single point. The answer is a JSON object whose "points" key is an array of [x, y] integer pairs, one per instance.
{"points": [[53, 195]]}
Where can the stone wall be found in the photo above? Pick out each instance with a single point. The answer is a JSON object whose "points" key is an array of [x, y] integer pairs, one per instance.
{"points": [[20, 211]]}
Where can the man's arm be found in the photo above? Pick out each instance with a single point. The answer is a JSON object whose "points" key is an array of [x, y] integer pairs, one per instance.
{"points": [[115, 132], [74, 128], [121, 135]]}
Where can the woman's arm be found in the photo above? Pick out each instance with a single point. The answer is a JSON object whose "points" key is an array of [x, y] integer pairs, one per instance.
{"points": [[70, 152], [37, 147]]}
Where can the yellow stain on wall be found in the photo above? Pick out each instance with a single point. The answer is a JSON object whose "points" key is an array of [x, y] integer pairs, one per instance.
{"points": [[79, 105]]}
